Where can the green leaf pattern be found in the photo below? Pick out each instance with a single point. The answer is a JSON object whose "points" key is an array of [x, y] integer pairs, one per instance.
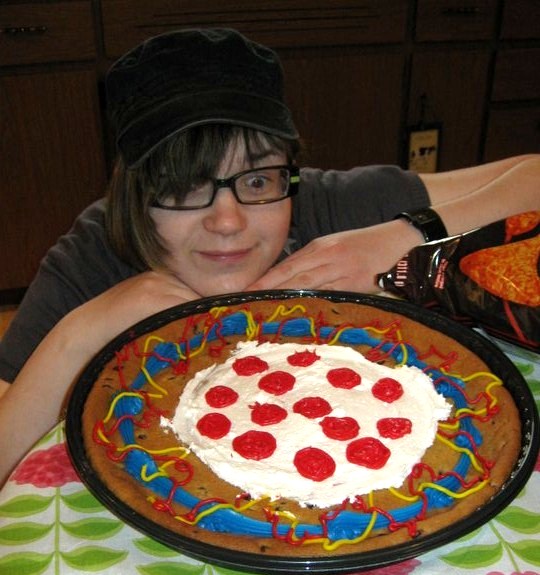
{"points": [[516, 550], [66, 531]]}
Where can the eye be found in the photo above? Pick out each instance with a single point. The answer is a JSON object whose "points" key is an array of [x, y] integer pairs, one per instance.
{"points": [[257, 181], [173, 195], [166, 195]]}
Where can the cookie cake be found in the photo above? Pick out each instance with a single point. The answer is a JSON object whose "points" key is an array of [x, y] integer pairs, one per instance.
{"points": [[297, 427]]}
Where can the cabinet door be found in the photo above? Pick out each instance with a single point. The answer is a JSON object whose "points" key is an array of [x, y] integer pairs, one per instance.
{"points": [[521, 20], [452, 20], [51, 164], [36, 32], [512, 132], [276, 23], [517, 75], [346, 104], [452, 86]]}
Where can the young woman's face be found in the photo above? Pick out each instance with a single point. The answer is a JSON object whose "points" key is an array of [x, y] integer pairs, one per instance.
{"points": [[227, 246]]}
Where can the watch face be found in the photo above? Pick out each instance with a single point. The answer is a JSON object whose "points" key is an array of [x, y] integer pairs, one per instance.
{"points": [[426, 216]]}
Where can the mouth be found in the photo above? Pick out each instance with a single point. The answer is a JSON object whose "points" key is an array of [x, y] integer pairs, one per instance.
{"points": [[225, 256]]}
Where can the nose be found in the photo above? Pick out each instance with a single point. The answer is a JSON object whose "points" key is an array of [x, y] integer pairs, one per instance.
{"points": [[225, 216]]}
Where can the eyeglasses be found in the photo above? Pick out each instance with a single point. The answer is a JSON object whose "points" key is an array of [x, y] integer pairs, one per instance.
{"points": [[252, 187]]}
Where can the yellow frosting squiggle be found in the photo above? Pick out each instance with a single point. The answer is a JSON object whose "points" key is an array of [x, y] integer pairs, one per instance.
{"points": [[115, 400], [468, 452]]}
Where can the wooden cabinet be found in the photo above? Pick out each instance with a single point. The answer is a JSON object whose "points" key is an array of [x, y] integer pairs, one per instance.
{"points": [[514, 114], [513, 131], [521, 20], [40, 32], [476, 70], [51, 152], [517, 75], [277, 23], [513, 125], [342, 60], [341, 104], [455, 20], [450, 70], [359, 74], [452, 84]]}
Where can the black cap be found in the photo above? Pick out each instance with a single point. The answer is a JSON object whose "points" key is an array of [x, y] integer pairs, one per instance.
{"points": [[190, 77]]}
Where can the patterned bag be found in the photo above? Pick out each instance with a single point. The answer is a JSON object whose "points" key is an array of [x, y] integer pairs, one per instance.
{"points": [[488, 277]]}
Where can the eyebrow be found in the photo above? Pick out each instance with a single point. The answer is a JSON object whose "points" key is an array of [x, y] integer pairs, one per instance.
{"points": [[253, 158]]}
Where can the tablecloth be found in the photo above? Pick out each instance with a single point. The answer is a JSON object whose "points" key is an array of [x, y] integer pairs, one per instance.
{"points": [[51, 524]]}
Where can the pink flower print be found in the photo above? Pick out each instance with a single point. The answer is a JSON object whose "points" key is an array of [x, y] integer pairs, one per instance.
{"points": [[46, 468]]}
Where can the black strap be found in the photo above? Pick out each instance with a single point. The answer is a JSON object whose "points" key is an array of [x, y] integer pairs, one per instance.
{"points": [[428, 222]]}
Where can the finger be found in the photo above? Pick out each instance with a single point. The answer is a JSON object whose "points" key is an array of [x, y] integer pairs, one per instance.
{"points": [[319, 281], [294, 278]]}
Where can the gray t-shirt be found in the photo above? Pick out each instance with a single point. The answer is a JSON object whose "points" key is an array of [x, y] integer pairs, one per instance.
{"points": [[81, 265]]}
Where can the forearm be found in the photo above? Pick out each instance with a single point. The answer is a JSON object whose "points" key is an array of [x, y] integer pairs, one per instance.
{"points": [[33, 402], [445, 186], [515, 190], [40, 390]]}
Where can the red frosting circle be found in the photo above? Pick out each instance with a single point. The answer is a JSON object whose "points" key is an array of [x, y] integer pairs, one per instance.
{"points": [[314, 463], [368, 452], [255, 445], [249, 365], [312, 407], [214, 425], [277, 382], [341, 428], [387, 389], [220, 396], [343, 377], [303, 358], [394, 427], [267, 413]]}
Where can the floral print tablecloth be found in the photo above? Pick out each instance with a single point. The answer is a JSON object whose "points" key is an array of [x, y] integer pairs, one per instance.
{"points": [[50, 523]]}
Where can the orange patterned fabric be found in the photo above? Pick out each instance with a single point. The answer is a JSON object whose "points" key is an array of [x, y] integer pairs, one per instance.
{"points": [[509, 271], [521, 224]]}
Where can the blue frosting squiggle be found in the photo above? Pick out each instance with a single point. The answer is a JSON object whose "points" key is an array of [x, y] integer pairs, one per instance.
{"points": [[347, 524]]}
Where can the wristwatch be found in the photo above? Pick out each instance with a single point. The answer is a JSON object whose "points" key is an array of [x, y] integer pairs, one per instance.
{"points": [[427, 221]]}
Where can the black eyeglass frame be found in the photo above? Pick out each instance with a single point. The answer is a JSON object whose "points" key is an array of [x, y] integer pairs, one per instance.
{"points": [[218, 183]]}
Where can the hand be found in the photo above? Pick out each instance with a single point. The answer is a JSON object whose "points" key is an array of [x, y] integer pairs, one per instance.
{"points": [[347, 261]]}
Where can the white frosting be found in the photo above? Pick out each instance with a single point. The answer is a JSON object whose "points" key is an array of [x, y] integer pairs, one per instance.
{"points": [[276, 476]]}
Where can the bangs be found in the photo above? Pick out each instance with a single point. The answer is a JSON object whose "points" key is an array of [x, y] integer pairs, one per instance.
{"points": [[195, 156]]}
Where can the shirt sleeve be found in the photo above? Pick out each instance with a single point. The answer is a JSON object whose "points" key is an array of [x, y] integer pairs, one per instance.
{"points": [[77, 268], [334, 201]]}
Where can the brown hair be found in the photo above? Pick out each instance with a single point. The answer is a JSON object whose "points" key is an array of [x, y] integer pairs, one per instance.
{"points": [[185, 159]]}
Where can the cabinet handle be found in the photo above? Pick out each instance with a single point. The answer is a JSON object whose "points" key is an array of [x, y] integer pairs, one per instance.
{"points": [[24, 30], [462, 11]]}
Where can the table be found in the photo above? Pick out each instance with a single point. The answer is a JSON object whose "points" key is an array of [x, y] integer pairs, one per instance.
{"points": [[50, 523]]}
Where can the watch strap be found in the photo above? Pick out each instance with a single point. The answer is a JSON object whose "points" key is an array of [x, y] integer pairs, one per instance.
{"points": [[427, 221]]}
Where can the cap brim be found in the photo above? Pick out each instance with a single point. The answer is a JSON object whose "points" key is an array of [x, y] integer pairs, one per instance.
{"points": [[142, 137]]}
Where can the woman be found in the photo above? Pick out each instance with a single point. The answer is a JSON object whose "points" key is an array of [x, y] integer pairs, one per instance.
{"points": [[204, 201]]}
